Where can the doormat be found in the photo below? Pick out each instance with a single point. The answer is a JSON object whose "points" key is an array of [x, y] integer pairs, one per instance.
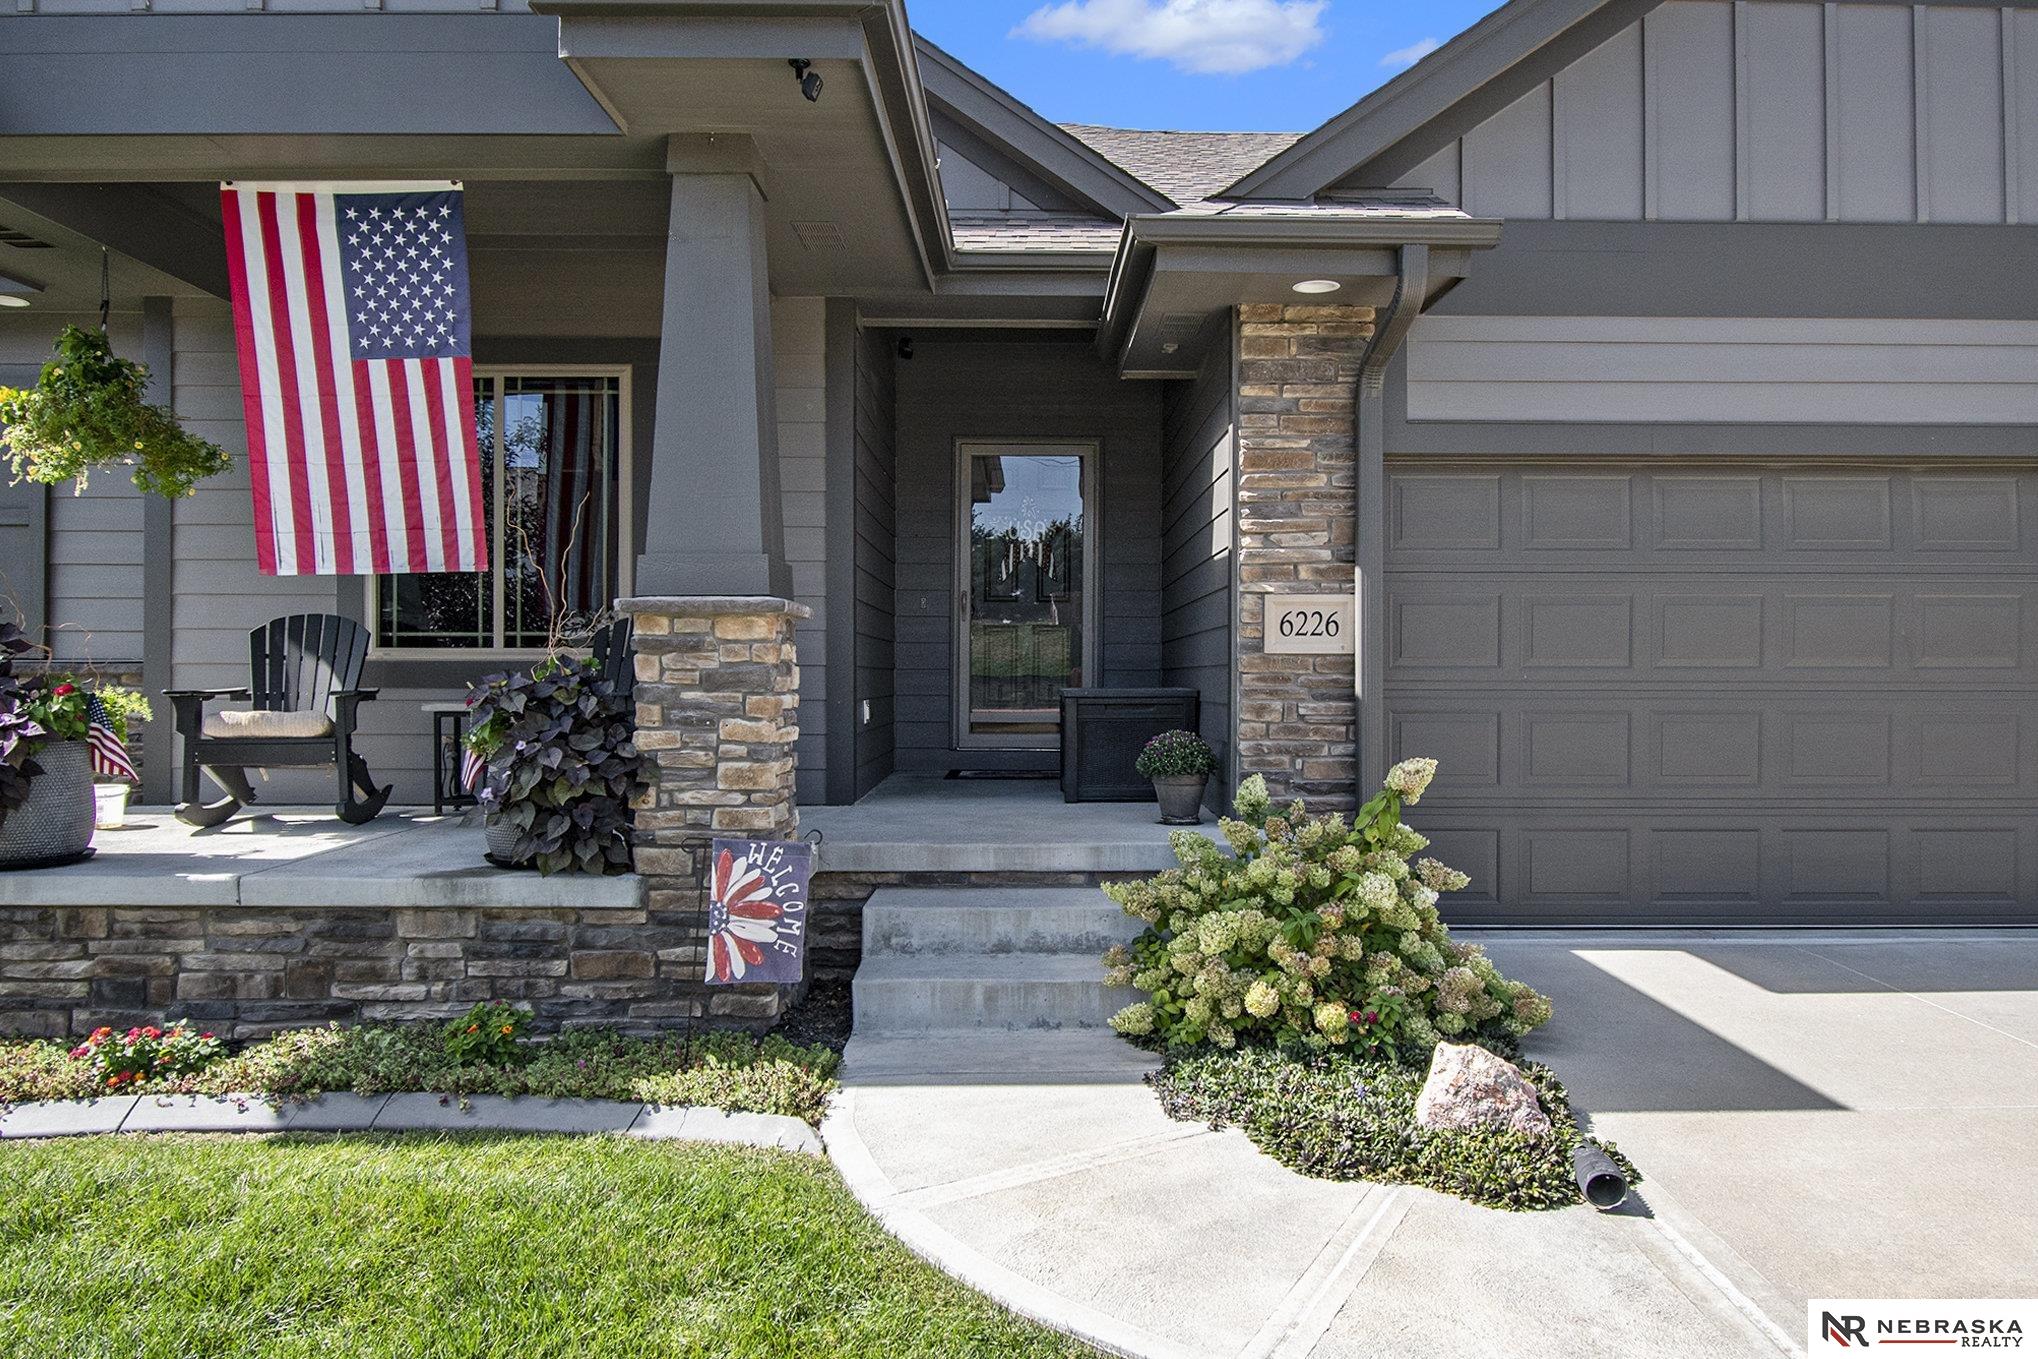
{"points": [[1002, 774]]}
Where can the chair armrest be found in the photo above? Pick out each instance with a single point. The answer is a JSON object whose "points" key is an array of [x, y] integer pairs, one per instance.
{"points": [[203, 694], [189, 708], [344, 702]]}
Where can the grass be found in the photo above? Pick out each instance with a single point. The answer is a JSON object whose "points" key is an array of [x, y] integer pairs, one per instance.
{"points": [[722, 1069], [1341, 1117], [423, 1247]]}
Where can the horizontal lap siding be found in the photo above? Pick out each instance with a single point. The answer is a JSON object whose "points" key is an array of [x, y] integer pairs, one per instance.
{"points": [[875, 554], [1721, 691], [1714, 369], [220, 592], [1197, 453], [960, 390], [798, 338]]}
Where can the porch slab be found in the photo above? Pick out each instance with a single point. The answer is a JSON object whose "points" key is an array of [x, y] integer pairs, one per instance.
{"points": [[306, 856], [925, 823]]}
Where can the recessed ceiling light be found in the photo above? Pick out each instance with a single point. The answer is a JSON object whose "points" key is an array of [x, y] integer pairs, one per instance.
{"points": [[1318, 285], [16, 292], [10, 300]]}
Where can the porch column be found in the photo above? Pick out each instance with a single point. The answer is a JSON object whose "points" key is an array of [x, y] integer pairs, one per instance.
{"points": [[718, 700], [1298, 372], [715, 524]]}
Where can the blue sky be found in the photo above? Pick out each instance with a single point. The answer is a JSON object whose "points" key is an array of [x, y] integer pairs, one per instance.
{"points": [[1207, 65]]}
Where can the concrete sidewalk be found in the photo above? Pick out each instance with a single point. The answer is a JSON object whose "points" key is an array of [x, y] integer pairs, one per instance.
{"points": [[1820, 1115]]}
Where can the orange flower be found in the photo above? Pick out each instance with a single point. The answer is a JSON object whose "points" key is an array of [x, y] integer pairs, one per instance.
{"points": [[473, 1028], [507, 1027]]}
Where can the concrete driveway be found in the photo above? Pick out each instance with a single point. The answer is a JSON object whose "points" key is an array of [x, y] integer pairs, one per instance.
{"points": [[1819, 1115], [1824, 1114]]}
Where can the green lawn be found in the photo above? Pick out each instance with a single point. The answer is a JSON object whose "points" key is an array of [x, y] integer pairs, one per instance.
{"points": [[429, 1247]]}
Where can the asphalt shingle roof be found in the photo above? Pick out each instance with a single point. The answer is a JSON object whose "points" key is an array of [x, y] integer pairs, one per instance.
{"points": [[1186, 166]]}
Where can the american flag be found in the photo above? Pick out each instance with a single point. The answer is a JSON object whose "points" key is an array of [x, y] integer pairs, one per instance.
{"points": [[351, 313], [472, 767], [109, 754]]}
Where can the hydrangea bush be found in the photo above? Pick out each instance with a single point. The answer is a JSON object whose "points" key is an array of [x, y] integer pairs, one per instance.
{"points": [[1320, 933]]}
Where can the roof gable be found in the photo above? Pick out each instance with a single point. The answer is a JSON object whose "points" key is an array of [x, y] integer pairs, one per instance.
{"points": [[1411, 117], [1189, 167], [1002, 138]]}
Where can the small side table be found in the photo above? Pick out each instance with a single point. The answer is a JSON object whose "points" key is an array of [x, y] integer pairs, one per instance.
{"points": [[449, 732]]}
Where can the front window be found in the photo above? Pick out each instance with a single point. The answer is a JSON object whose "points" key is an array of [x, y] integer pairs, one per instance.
{"points": [[552, 484]]}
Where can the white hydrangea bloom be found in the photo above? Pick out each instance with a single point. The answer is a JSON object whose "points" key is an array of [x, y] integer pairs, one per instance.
{"points": [[1411, 777]]}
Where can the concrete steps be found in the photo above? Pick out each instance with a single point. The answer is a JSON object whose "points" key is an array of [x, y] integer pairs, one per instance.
{"points": [[962, 960]]}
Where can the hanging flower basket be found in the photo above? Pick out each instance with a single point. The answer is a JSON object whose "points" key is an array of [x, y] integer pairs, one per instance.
{"points": [[88, 411]]}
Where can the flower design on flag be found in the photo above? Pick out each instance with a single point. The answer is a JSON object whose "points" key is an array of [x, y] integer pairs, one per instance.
{"points": [[746, 917]]}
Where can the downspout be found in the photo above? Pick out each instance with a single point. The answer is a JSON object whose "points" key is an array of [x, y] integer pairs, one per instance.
{"points": [[1369, 518]]}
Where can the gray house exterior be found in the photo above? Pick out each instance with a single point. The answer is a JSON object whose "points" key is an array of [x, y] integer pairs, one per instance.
{"points": [[1671, 432]]}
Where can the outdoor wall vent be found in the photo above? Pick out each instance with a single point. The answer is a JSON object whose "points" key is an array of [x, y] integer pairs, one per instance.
{"points": [[21, 240], [818, 235]]}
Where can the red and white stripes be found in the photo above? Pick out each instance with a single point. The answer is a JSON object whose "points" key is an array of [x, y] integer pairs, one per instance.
{"points": [[356, 465]]}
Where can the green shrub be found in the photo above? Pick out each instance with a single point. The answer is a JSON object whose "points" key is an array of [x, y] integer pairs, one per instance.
{"points": [[487, 1035], [1176, 755], [1320, 932]]}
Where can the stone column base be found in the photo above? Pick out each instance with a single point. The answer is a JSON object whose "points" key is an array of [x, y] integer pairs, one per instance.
{"points": [[718, 695]]}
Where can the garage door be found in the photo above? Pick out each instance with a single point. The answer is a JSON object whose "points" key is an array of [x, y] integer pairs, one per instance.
{"points": [[1721, 692]]}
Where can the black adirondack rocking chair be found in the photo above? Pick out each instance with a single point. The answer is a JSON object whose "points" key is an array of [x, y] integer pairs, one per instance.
{"points": [[304, 675]]}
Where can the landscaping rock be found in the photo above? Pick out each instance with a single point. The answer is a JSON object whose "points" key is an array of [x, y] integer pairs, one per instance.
{"points": [[1470, 1088]]}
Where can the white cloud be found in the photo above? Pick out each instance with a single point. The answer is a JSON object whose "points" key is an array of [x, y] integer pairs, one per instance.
{"points": [[1206, 37], [1407, 56]]}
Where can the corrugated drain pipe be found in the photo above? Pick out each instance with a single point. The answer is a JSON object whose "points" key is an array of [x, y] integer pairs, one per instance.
{"points": [[1369, 517]]}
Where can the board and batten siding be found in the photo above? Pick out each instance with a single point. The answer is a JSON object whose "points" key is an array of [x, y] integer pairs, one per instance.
{"points": [[799, 350], [1759, 370], [1770, 111], [974, 390], [1199, 446], [90, 608], [875, 556]]}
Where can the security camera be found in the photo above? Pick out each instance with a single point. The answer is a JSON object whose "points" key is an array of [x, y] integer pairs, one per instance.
{"points": [[810, 79]]}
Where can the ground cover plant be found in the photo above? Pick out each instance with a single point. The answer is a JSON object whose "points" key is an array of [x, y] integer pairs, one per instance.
{"points": [[406, 1247], [723, 1069], [1351, 1116]]}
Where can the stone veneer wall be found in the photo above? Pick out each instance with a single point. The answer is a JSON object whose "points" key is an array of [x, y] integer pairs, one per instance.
{"points": [[246, 971], [1298, 374], [718, 698]]}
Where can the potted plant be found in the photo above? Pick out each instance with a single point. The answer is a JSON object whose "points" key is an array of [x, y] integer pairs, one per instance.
{"points": [[88, 410], [561, 767], [45, 764], [1180, 764], [123, 707]]}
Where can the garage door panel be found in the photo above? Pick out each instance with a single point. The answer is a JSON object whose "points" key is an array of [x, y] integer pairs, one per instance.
{"points": [[1666, 630], [1734, 693], [1780, 746], [1738, 868], [1609, 518]]}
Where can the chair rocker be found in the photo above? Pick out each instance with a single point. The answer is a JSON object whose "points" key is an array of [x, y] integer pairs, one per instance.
{"points": [[304, 673]]}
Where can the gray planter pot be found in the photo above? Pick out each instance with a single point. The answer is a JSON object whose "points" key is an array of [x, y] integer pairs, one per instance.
{"points": [[56, 821], [1181, 798], [501, 834]]}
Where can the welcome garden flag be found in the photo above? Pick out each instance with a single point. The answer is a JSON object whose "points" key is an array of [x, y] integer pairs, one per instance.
{"points": [[757, 910], [357, 376]]}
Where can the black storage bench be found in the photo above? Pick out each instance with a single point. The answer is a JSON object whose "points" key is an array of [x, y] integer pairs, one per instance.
{"points": [[1103, 731]]}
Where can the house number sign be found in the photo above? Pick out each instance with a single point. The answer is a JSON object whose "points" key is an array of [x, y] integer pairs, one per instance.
{"points": [[1309, 625]]}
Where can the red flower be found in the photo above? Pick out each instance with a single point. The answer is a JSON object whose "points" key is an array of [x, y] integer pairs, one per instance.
{"points": [[65, 688]]}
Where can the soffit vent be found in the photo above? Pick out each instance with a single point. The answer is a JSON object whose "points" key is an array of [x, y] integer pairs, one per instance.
{"points": [[818, 235], [21, 240]]}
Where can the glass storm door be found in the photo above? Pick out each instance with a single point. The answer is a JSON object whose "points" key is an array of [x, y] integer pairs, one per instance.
{"points": [[1025, 584]]}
